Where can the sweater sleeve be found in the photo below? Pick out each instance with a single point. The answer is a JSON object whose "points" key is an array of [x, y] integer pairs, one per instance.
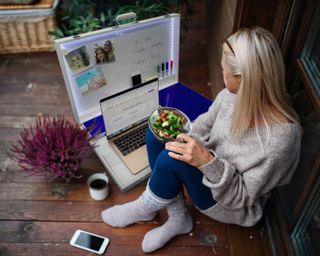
{"points": [[202, 126], [258, 177]]}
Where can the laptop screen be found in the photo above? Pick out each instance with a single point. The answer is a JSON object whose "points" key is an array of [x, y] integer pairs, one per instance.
{"points": [[129, 108]]}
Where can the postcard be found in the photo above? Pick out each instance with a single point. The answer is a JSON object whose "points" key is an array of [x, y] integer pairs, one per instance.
{"points": [[91, 80], [104, 52], [78, 60]]}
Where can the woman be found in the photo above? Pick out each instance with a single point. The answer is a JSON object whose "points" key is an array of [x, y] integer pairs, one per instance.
{"points": [[101, 56], [108, 48], [245, 145]]}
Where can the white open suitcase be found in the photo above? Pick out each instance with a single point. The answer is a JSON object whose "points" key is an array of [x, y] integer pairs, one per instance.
{"points": [[144, 49]]}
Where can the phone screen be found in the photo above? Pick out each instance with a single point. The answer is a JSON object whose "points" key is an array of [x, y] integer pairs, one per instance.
{"points": [[89, 241]]}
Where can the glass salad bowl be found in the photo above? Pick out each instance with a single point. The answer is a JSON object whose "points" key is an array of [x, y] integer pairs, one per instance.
{"points": [[166, 123]]}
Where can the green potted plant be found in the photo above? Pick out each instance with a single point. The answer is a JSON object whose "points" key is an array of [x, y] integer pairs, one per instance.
{"points": [[80, 16]]}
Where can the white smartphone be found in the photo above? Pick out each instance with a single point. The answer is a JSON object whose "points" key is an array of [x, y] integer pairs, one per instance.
{"points": [[90, 242]]}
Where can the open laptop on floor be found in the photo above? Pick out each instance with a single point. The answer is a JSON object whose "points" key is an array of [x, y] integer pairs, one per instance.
{"points": [[125, 116]]}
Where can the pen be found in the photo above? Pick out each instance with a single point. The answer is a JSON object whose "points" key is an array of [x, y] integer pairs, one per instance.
{"points": [[162, 67], [158, 70], [167, 68]]}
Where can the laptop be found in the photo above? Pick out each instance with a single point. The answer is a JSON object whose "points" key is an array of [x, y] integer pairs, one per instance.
{"points": [[125, 117]]}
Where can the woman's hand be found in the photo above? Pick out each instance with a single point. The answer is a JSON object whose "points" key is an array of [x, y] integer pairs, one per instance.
{"points": [[189, 151]]}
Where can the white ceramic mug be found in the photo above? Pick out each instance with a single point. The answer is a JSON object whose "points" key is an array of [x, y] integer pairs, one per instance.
{"points": [[98, 184]]}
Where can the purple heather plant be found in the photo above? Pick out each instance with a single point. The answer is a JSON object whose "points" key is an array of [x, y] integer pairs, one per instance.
{"points": [[54, 147]]}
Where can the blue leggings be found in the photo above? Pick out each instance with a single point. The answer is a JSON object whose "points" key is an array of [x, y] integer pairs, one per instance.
{"points": [[169, 175]]}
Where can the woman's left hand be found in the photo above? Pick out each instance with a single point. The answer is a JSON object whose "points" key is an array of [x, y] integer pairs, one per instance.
{"points": [[189, 151]]}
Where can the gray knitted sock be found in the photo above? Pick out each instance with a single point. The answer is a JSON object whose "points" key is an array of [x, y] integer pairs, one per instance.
{"points": [[179, 222], [142, 209]]}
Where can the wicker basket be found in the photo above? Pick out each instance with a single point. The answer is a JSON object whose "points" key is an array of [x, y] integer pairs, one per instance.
{"points": [[26, 30]]}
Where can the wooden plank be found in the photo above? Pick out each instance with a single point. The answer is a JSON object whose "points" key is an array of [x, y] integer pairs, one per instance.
{"points": [[61, 232], [19, 122], [9, 134], [11, 84], [10, 173], [80, 211], [19, 109], [50, 95], [16, 121], [15, 63], [52, 210], [31, 82], [50, 232], [248, 239], [63, 249], [44, 191], [46, 86], [7, 165]]}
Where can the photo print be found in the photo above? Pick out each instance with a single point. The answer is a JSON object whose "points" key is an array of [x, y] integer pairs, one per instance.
{"points": [[78, 60], [91, 80], [104, 52]]}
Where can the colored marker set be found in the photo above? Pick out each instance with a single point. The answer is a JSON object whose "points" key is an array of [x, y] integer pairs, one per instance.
{"points": [[165, 69]]}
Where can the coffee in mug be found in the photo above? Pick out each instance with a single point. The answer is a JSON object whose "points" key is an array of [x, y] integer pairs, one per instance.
{"points": [[98, 186]]}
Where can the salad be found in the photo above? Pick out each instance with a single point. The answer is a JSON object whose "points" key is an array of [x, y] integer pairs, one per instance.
{"points": [[168, 125]]}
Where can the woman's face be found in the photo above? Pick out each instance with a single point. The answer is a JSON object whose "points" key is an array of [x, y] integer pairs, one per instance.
{"points": [[107, 46], [100, 55], [232, 82]]}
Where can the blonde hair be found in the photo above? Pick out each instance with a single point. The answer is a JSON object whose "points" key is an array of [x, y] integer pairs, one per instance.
{"points": [[255, 55]]}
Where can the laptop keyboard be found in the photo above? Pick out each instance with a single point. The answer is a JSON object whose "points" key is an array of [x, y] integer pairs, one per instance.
{"points": [[132, 140]]}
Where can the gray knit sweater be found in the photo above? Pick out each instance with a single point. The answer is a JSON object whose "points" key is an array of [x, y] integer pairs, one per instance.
{"points": [[243, 173]]}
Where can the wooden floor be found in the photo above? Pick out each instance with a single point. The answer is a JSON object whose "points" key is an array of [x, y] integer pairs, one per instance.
{"points": [[38, 216]]}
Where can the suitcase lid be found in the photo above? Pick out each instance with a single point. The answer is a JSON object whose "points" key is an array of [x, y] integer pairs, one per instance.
{"points": [[103, 62]]}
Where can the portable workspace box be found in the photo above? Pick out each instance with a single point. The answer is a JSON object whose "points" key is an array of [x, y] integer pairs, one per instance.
{"points": [[98, 64]]}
